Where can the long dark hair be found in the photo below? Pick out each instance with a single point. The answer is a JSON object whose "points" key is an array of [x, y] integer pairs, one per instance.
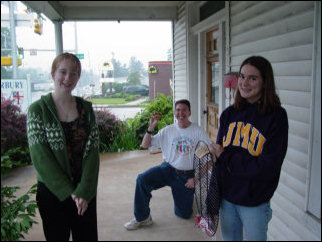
{"points": [[269, 100]]}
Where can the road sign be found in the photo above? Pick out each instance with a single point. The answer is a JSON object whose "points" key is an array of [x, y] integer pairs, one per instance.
{"points": [[80, 56], [33, 52]]}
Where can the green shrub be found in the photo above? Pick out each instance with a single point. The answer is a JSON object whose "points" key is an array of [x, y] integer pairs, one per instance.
{"points": [[124, 136], [131, 97], [125, 140], [109, 127], [161, 104], [13, 126], [14, 143], [118, 95], [14, 157], [16, 213], [118, 86]]}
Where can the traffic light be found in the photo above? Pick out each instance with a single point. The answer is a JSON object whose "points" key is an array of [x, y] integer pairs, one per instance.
{"points": [[38, 27], [20, 52]]}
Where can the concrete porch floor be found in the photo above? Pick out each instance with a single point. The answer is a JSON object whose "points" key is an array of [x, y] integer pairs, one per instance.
{"points": [[116, 186]]}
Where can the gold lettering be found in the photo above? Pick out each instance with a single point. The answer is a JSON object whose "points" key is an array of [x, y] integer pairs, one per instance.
{"points": [[245, 135], [237, 135], [251, 145], [227, 138]]}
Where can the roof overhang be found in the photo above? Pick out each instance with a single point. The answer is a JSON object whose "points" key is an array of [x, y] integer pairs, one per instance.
{"points": [[105, 10]]}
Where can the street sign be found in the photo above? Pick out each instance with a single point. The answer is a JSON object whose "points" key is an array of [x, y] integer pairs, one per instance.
{"points": [[80, 56], [33, 52]]}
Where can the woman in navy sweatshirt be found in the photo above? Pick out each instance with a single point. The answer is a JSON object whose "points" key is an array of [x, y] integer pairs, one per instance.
{"points": [[250, 147]]}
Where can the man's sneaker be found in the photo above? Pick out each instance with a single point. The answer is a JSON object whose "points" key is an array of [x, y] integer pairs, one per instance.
{"points": [[133, 224]]}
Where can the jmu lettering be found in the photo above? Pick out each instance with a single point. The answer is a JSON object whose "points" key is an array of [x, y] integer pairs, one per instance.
{"points": [[245, 136]]}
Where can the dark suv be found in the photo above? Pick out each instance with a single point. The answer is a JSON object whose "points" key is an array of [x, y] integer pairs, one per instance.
{"points": [[143, 90]]}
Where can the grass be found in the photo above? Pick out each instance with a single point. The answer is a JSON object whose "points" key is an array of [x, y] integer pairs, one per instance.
{"points": [[117, 102], [108, 101]]}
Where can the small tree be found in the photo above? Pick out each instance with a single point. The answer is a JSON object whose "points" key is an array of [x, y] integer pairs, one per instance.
{"points": [[134, 78], [136, 65]]}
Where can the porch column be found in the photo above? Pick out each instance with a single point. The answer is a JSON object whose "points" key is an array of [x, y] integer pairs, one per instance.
{"points": [[58, 36]]}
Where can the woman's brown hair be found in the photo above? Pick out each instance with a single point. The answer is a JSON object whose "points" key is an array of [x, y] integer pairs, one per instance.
{"points": [[269, 100]]}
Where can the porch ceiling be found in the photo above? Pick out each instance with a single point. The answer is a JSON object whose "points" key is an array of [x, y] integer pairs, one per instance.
{"points": [[105, 10]]}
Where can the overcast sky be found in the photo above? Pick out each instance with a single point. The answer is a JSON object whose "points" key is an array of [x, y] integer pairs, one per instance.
{"points": [[147, 41]]}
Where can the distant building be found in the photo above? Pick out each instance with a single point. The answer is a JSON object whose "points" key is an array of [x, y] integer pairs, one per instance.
{"points": [[160, 76]]}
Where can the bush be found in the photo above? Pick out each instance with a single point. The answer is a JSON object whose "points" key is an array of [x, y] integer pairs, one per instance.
{"points": [[131, 97], [14, 157], [13, 126], [116, 135], [16, 213], [125, 140], [161, 104], [109, 127], [118, 95]]}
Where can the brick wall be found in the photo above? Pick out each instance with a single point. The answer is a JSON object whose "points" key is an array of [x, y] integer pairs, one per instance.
{"points": [[160, 73]]}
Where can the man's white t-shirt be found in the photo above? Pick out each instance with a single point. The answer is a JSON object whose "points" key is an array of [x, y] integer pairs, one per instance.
{"points": [[178, 144]]}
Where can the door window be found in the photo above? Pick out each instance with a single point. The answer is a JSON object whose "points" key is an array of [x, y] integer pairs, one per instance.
{"points": [[215, 83]]}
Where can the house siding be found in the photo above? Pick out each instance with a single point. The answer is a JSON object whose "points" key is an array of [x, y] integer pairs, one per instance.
{"points": [[181, 87], [283, 33]]}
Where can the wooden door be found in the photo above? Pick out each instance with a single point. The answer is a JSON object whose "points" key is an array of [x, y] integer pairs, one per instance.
{"points": [[213, 80]]}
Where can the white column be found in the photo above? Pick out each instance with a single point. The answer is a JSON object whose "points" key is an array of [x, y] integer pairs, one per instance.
{"points": [[58, 37]]}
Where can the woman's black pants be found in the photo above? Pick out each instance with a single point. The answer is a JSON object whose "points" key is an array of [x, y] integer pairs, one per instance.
{"points": [[59, 219]]}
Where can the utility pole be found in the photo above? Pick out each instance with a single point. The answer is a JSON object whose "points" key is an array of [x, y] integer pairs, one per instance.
{"points": [[13, 40], [76, 42]]}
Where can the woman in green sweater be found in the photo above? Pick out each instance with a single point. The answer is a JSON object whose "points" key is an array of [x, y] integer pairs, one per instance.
{"points": [[63, 142]]}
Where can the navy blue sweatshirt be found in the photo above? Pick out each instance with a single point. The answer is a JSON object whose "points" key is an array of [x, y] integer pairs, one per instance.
{"points": [[255, 145]]}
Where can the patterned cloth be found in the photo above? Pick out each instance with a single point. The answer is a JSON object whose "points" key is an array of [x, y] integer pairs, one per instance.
{"points": [[49, 152], [76, 134]]}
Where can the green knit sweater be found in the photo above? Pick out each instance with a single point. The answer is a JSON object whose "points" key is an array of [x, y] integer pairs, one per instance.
{"points": [[48, 151]]}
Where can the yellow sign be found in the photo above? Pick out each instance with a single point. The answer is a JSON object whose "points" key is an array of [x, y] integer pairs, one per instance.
{"points": [[7, 61], [107, 72], [107, 65], [152, 70]]}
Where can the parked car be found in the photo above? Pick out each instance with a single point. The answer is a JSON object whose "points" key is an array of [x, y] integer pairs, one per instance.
{"points": [[143, 90]]}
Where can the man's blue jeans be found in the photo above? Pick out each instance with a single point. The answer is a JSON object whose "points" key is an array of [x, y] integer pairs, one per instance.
{"points": [[158, 177], [254, 220]]}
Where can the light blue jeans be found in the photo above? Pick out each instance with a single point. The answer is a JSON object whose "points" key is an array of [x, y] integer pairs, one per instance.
{"points": [[254, 220]]}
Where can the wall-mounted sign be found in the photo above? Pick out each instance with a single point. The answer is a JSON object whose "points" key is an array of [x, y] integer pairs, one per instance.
{"points": [[153, 69]]}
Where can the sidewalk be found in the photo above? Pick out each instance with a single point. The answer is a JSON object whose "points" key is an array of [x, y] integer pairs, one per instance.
{"points": [[116, 185]]}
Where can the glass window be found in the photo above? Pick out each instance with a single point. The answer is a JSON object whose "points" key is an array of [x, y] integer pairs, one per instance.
{"points": [[215, 82]]}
